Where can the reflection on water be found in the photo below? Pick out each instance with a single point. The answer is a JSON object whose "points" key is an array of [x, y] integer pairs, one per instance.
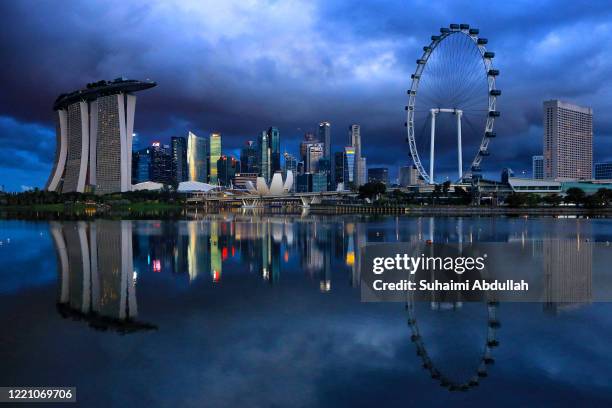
{"points": [[97, 279], [221, 272]]}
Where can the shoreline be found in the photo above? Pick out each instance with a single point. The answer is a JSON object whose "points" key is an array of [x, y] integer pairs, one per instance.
{"points": [[177, 211]]}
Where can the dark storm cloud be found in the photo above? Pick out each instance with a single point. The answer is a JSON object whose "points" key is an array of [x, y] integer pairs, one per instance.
{"points": [[239, 67]]}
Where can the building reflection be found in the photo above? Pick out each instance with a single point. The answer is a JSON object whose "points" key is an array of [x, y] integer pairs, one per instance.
{"points": [[96, 274]]}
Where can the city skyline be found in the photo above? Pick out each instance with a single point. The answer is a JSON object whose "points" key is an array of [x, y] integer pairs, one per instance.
{"points": [[356, 70]]}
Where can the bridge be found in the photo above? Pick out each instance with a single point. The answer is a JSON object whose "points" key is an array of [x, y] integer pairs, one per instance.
{"points": [[245, 199]]}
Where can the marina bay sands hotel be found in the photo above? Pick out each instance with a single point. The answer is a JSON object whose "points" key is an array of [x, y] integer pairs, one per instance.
{"points": [[94, 137]]}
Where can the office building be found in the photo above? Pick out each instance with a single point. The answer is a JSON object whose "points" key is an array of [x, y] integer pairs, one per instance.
{"points": [[94, 137], [248, 158], [290, 163], [568, 141], [409, 176], [338, 168], [197, 158], [313, 155], [263, 156], [349, 159], [227, 167], [325, 137], [537, 167], [179, 159], [360, 163], [318, 182], [275, 157], [214, 155], [361, 172], [603, 171], [160, 169], [378, 174], [141, 163]]}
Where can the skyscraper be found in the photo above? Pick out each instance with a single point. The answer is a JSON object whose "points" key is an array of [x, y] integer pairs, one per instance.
{"points": [[359, 165], [179, 159], [248, 158], [141, 166], [568, 141], [313, 155], [274, 141], [537, 167], [160, 169], [263, 155], [290, 163], [325, 137], [227, 167], [339, 164], [361, 173], [214, 155], [94, 137], [349, 160], [197, 158]]}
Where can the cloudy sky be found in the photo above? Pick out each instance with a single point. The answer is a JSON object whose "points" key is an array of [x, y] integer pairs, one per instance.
{"points": [[241, 66]]}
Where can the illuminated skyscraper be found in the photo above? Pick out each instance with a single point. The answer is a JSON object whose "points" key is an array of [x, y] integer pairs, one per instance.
{"points": [[263, 155], [197, 158], [215, 154], [248, 158], [568, 141], [274, 141], [349, 165], [94, 137], [325, 137], [179, 159]]}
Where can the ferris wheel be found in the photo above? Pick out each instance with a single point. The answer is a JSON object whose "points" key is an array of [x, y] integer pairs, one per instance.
{"points": [[452, 103]]}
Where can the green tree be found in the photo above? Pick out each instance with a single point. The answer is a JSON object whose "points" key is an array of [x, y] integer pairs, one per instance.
{"points": [[516, 200], [575, 195], [553, 199], [372, 189]]}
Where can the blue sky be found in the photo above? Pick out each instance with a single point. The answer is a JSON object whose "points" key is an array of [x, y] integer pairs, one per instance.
{"points": [[239, 67]]}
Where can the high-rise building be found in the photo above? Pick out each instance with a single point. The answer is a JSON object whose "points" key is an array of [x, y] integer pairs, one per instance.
{"points": [[378, 174], [309, 140], [349, 159], [197, 158], [275, 157], [179, 159], [141, 166], [290, 163], [537, 167], [359, 165], [263, 155], [313, 155], [214, 155], [227, 167], [603, 171], [361, 172], [160, 169], [568, 141], [339, 166], [325, 137], [248, 158], [94, 137], [409, 176]]}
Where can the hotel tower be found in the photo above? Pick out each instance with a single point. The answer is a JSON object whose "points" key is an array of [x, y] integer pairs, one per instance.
{"points": [[94, 138]]}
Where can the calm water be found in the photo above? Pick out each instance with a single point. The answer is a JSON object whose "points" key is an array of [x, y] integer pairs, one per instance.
{"points": [[239, 310]]}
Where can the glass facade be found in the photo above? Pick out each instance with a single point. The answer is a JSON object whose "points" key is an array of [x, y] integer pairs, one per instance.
{"points": [[197, 158], [215, 155]]}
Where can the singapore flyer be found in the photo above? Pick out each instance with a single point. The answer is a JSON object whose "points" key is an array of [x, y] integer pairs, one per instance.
{"points": [[452, 104]]}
